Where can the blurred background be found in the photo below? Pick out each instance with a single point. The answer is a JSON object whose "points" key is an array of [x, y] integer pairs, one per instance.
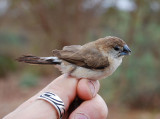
{"points": [[38, 26]]}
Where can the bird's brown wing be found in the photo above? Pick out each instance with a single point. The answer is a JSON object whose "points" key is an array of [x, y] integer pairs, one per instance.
{"points": [[89, 58]]}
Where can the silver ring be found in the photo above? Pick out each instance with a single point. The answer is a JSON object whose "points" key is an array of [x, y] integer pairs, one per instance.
{"points": [[54, 100]]}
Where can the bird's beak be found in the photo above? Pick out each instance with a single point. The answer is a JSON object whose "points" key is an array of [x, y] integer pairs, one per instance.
{"points": [[126, 51]]}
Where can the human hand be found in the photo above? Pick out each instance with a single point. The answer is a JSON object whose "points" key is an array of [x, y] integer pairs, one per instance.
{"points": [[67, 88]]}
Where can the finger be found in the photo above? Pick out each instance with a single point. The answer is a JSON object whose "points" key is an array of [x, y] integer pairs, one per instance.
{"points": [[64, 86], [95, 108], [87, 89]]}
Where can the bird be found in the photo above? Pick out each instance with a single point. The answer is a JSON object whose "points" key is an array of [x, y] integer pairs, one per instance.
{"points": [[94, 60]]}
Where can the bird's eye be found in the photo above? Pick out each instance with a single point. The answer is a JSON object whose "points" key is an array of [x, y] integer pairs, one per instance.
{"points": [[116, 48]]}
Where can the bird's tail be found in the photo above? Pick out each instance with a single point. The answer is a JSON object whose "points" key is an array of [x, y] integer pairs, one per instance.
{"points": [[39, 60]]}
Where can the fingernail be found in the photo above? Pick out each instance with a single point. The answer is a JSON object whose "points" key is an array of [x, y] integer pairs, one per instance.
{"points": [[80, 116], [92, 88]]}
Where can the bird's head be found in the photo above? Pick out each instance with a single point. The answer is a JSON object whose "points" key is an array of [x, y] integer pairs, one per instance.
{"points": [[113, 46]]}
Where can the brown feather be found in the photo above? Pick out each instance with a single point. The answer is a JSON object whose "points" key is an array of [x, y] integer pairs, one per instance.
{"points": [[89, 58], [73, 48], [35, 60]]}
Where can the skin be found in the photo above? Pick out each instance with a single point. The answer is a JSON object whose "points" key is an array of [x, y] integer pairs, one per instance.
{"points": [[93, 106]]}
